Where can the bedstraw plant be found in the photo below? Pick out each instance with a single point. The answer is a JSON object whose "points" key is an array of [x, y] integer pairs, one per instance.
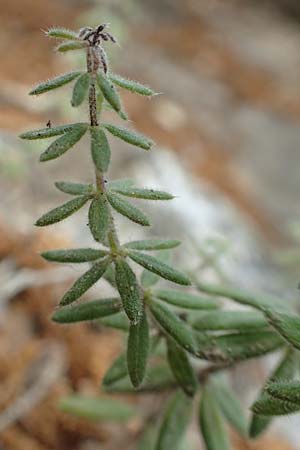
{"points": [[178, 340]]}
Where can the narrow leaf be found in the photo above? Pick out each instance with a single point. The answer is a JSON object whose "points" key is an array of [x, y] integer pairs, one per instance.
{"points": [[286, 391], [269, 406], [127, 209], [123, 182], [129, 291], [74, 255], [64, 143], [287, 325], [88, 311], [80, 89], [74, 188], [100, 149], [152, 244], [181, 368], [231, 407], [55, 83], [117, 321], [158, 267], [129, 136], [71, 45], [117, 371], [97, 409], [62, 33], [85, 282], [212, 423], [285, 370], [174, 327], [130, 85], [99, 218], [147, 194], [186, 300], [175, 422], [137, 350], [62, 212], [109, 92], [149, 279], [44, 133], [230, 320]]}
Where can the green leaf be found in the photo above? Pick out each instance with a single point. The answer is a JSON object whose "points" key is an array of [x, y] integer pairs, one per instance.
{"points": [[239, 346], [99, 218], [62, 33], [97, 409], [71, 45], [100, 149], [129, 291], [74, 188], [147, 194], [80, 89], [74, 255], [62, 212], [163, 270], [117, 321], [44, 133], [127, 209], [152, 244], [287, 325], [130, 85], [181, 368], [230, 320], [261, 303], [55, 83], [175, 422], [269, 406], [109, 92], [285, 370], [149, 279], [286, 391], [123, 182], [212, 423], [138, 350], [230, 407], [184, 299], [88, 311], [85, 282], [174, 327], [64, 143], [117, 371], [129, 136]]}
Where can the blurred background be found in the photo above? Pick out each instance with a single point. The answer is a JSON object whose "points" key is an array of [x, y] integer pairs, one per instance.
{"points": [[228, 136]]}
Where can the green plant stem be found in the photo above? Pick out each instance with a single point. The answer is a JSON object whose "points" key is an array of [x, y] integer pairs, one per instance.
{"points": [[92, 67]]}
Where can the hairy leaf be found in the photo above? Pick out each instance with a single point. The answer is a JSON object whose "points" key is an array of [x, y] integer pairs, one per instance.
{"points": [[269, 406], [62, 212], [44, 133], [159, 268], [109, 92], [55, 83], [71, 45], [64, 143], [147, 194], [61, 33], [127, 209], [97, 409], [184, 299], [181, 368], [117, 371], [286, 391], [129, 291], [130, 85], [99, 218], [100, 149], [129, 136], [117, 321], [287, 325], [123, 182], [152, 244], [74, 188], [87, 280], [175, 422], [174, 327], [80, 89], [137, 350], [230, 320], [74, 255], [212, 423], [149, 279], [88, 311]]}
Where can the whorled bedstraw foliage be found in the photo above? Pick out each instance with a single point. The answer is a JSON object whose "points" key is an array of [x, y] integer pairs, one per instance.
{"points": [[167, 328]]}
